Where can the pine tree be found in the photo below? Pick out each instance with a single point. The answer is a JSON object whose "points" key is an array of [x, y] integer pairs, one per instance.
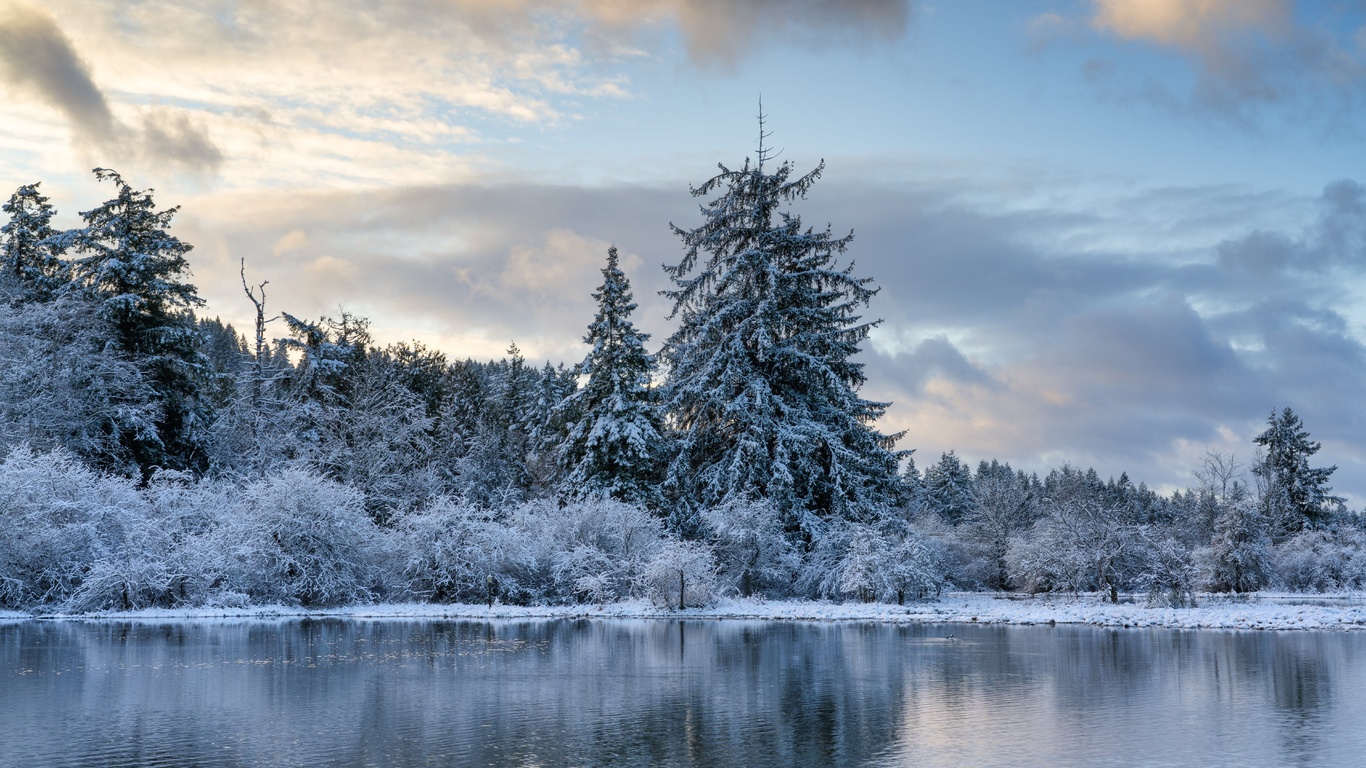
{"points": [[134, 267], [762, 388], [612, 442], [1285, 474], [30, 249]]}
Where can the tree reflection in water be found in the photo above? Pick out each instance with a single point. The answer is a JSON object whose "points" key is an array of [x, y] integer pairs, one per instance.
{"points": [[626, 693]]}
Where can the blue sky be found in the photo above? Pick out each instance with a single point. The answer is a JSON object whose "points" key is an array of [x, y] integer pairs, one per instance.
{"points": [[1111, 232]]}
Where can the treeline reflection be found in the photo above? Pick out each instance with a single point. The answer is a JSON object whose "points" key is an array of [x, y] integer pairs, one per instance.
{"points": [[624, 693]]}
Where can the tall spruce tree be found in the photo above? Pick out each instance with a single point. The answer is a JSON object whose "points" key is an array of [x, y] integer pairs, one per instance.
{"points": [[130, 263], [612, 442], [1284, 470], [762, 388], [30, 249]]}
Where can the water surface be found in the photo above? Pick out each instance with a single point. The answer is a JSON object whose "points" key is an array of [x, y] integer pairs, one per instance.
{"points": [[637, 693]]}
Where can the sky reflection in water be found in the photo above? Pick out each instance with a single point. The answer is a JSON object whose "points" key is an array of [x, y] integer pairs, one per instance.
{"points": [[624, 693]]}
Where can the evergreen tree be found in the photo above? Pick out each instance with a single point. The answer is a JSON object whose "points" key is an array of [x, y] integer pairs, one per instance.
{"points": [[1285, 473], [762, 388], [612, 442], [130, 263], [30, 249], [494, 471], [949, 489], [912, 486]]}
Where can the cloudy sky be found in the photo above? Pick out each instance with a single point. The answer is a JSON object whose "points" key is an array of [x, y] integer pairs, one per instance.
{"points": [[1111, 232]]}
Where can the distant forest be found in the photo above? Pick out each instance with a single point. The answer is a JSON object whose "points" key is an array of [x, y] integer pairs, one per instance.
{"points": [[153, 457]]}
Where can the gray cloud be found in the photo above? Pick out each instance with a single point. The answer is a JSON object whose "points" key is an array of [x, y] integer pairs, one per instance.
{"points": [[933, 358], [1246, 55], [37, 57], [174, 140]]}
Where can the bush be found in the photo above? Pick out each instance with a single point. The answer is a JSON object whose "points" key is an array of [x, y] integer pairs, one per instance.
{"points": [[294, 537], [1321, 561], [755, 554], [682, 568], [75, 539]]}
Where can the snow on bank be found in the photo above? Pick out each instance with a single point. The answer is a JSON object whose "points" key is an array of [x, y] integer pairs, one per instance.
{"points": [[1265, 611]]}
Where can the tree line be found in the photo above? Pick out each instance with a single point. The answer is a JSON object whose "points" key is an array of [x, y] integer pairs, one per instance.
{"points": [[155, 457]]}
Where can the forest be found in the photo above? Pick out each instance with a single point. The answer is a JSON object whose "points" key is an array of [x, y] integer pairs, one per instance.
{"points": [[151, 456]]}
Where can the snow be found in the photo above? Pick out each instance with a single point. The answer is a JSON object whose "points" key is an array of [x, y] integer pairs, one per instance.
{"points": [[1264, 611]]}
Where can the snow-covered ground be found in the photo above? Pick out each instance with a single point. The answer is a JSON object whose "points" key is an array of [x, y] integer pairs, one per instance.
{"points": [[1263, 611]]}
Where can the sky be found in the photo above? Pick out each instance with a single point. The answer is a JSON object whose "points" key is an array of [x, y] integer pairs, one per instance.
{"points": [[1115, 233]]}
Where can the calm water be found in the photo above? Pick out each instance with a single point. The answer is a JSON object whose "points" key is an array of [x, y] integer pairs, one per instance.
{"points": [[392, 693]]}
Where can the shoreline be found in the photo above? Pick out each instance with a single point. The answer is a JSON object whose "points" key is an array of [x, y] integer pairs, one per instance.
{"points": [[1262, 611]]}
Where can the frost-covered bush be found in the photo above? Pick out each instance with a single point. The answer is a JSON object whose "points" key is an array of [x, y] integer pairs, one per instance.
{"points": [[74, 539], [1321, 561], [1238, 558], [190, 512], [682, 568], [294, 537], [866, 562], [1169, 575], [592, 550], [445, 551], [960, 561], [1079, 544], [754, 553]]}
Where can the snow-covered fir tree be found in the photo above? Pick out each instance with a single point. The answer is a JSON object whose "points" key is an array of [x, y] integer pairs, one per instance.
{"points": [[1285, 474], [130, 263], [30, 249], [949, 489], [494, 472], [612, 442], [762, 387]]}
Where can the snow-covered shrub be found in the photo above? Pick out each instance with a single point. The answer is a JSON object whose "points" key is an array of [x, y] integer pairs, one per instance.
{"points": [[1079, 544], [682, 567], [447, 550], [190, 511], [1169, 574], [755, 554], [591, 550], [961, 562], [1321, 561], [73, 538], [867, 562], [299, 538], [1238, 558]]}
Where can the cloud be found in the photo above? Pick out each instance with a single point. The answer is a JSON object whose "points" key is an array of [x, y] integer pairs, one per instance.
{"points": [[1197, 25], [175, 140], [36, 57], [1247, 56], [934, 359], [721, 33]]}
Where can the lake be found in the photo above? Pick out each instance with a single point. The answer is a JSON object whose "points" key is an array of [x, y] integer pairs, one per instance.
{"points": [[637, 693]]}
